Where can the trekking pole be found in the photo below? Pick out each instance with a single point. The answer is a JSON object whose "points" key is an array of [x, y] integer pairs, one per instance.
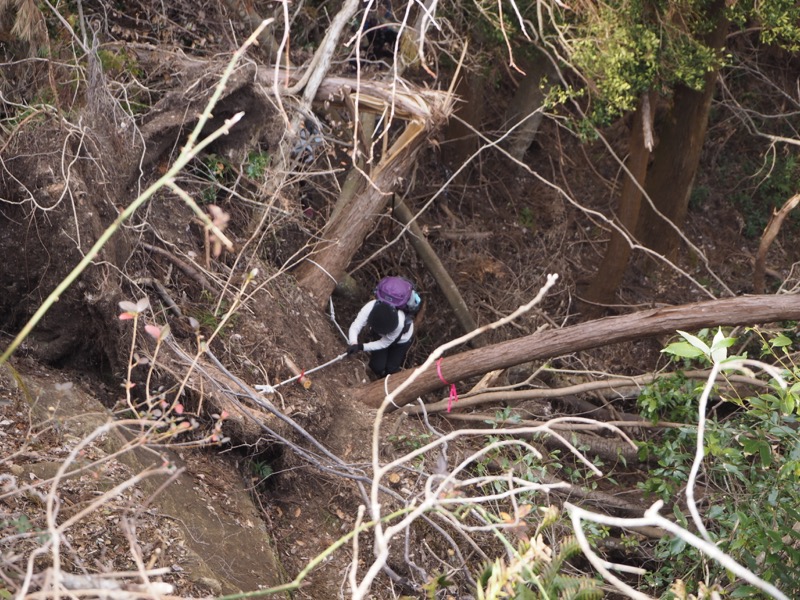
{"points": [[333, 318], [270, 389]]}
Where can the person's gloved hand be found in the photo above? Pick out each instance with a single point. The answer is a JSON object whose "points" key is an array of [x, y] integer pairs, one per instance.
{"points": [[353, 348]]}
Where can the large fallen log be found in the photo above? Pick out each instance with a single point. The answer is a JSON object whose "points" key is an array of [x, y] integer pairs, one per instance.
{"points": [[745, 310]]}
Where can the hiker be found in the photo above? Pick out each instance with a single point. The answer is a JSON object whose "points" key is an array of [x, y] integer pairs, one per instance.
{"points": [[390, 317]]}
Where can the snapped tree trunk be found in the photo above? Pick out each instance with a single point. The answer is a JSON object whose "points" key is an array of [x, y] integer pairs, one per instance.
{"points": [[675, 160], [344, 233], [604, 285], [746, 310], [769, 235]]}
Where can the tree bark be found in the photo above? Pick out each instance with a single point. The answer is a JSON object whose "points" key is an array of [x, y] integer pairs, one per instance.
{"points": [[344, 233], [746, 310], [675, 160], [523, 107], [603, 286], [460, 139]]}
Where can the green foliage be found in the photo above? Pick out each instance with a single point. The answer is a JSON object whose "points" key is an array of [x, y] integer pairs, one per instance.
{"points": [[527, 219], [21, 524], [409, 442], [117, 62], [257, 164], [619, 56], [437, 582], [262, 470], [216, 170], [627, 47], [210, 319], [752, 472], [699, 196], [536, 570]]}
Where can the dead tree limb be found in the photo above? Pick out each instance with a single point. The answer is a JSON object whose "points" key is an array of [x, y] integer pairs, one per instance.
{"points": [[437, 269], [770, 232], [616, 384], [745, 310]]}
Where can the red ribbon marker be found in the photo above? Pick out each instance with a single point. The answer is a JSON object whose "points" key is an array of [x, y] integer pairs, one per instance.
{"points": [[453, 393]]}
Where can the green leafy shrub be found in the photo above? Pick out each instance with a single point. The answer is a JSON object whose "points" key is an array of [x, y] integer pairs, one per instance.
{"points": [[751, 491], [535, 569]]}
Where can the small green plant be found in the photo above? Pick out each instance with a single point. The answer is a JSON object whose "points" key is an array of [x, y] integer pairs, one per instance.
{"points": [[209, 319], [21, 524], [699, 196], [527, 219], [116, 62], [257, 164], [409, 442], [751, 469], [261, 471], [534, 569], [214, 169]]}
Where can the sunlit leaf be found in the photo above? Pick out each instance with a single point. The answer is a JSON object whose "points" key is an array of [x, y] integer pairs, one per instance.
{"points": [[780, 341], [128, 307], [788, 403], [684, 350], [696, 342], [720, 345]]}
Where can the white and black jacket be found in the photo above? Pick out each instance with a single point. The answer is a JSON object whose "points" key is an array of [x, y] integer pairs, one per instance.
{"points": [[385, 341]]}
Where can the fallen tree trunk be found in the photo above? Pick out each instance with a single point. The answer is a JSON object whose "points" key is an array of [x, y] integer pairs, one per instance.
{"points": [[746, 310]]}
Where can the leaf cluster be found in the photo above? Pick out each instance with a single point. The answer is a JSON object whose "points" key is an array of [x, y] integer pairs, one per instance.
{"points": [[536, 570], [778, 21], [627, 47], [752, 470]]}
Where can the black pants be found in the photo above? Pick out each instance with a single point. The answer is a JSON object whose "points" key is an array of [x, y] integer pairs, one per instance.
{"points": [[389, 360]]}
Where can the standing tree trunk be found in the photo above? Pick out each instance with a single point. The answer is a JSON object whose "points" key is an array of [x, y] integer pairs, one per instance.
{"points": [[618, 251], [525, 108], [460, 139], [745, 310], [675, 161]]}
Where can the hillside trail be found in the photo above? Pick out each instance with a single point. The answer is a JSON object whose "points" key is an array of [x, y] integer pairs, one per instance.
{"points": [[224, 527]]}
